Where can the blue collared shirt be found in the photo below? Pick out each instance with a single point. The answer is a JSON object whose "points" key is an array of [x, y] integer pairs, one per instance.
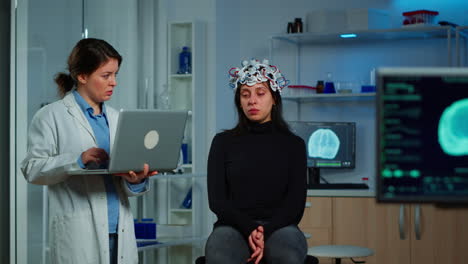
{"points": [[100, 125]]}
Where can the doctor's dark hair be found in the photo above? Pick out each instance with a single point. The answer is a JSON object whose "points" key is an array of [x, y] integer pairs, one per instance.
{"points": [[86, 57], [277, 119]]}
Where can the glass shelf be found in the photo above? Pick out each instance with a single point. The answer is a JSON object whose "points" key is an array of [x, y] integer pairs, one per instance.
{"points": [[163, 242], [463, 31], [181, 76], [461, 48], [187, 166], [334, 97], [413, 32], [179, 210]]}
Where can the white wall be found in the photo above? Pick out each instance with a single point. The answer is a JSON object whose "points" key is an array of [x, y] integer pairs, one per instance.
{"points": [[228, 54], [244, 29], [51, 40], [53, 28], [116, 21]]}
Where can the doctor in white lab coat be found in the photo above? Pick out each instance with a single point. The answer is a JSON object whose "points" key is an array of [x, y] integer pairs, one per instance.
{"points": [[90, 220]]}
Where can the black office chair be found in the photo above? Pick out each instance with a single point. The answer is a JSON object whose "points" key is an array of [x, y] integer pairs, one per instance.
{"points": [[309, 260]]}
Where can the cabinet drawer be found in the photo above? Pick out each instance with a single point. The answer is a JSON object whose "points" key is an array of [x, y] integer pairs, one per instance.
{"points": [[319, 214]]}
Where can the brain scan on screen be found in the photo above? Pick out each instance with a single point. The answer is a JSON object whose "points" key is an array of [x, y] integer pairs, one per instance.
{"points": [[453, 129], [323, 143]]}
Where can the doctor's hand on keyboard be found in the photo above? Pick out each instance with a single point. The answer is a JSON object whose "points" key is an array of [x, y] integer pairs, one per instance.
{"points": [[95, 158], [137, 177]]}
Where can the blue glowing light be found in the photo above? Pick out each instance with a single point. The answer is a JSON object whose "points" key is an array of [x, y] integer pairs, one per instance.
{"points": [[348, 35]]}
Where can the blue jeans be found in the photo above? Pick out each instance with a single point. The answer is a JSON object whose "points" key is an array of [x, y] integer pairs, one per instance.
{"points": [[113, 248], [226, 245]]}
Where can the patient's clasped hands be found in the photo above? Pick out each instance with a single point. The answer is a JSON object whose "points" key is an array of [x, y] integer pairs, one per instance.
{"points": [[257, 244]]}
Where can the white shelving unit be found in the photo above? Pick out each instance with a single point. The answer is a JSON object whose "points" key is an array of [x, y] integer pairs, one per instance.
{"points": [[461, 39], [185, 92], [333, 96], [420, 32], [299, 40], [324, 98]]}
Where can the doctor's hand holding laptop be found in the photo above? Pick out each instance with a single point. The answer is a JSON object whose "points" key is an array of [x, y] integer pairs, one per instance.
{"points": [[146, 142]]}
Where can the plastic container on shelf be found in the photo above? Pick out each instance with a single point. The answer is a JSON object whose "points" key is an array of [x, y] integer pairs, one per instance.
{"points": [[367, 18], [164, 101], [344, 87], [185, 61], [184, 148], [368, 89], [145, 228], [326, 20], [319, 87], [298, 26], [329, 85], [420, 17], [187, 203], [290, 27]]}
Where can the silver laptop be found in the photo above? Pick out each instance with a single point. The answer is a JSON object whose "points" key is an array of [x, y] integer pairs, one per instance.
{"points": [[144, 136]]}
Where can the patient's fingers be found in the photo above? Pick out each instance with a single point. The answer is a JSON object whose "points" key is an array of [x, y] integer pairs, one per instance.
{"points": [[260, 256], [251, 243]]}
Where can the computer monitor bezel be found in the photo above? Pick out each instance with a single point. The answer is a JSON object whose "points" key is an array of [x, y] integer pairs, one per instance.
{"points": [[382, 73]]}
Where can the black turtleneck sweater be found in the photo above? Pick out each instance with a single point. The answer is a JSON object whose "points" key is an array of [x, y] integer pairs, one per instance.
{"points": [[258, 176]]}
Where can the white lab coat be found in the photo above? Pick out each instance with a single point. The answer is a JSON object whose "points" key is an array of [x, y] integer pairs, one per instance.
{"points": [[78, 225]]}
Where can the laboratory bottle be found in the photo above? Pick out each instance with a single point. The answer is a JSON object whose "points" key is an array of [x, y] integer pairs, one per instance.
{"points": [[185, 61], [329, 85]]}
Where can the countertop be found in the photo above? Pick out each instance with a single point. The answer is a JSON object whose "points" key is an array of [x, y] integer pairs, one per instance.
{"points": [[341, 193]]}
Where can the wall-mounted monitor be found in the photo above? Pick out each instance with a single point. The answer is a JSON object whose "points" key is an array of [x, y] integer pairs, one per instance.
{"points": [[422, 135]]}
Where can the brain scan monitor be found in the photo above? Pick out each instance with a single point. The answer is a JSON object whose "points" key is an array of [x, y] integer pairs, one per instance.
{"points": [[329, 144]]}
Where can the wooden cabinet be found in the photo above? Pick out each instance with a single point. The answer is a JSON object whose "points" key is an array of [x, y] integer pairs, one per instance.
{"points": [[443, 235], [317, 222], [363, 222], [403, 234], [442, 232]]}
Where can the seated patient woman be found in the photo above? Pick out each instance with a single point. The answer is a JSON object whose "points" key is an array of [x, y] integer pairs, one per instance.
{"points": [[257, 176]]}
